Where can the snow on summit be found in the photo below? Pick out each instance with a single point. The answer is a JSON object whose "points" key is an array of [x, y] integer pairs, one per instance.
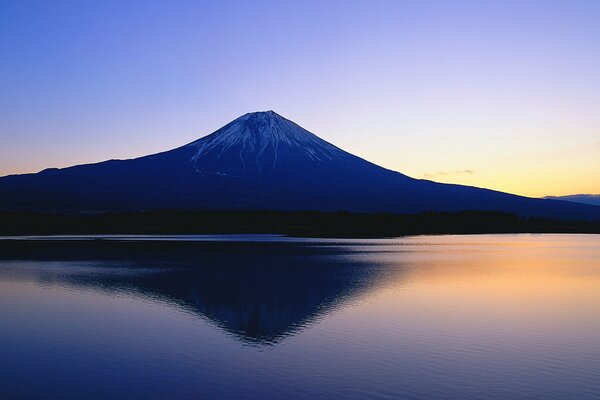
{"points": [[261, 137]]}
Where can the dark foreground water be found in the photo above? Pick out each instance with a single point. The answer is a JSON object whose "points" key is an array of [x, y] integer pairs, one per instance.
{"points": [[446, 317]]}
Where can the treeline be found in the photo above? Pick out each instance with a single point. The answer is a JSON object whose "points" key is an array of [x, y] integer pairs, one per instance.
{"points": [[306, 223]]}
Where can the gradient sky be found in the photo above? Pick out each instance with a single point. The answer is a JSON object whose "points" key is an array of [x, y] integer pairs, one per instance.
{"points": [[504, 95]]}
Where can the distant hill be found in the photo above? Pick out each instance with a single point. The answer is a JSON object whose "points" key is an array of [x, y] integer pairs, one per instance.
{"points": [[593, 199], [259, 161]]}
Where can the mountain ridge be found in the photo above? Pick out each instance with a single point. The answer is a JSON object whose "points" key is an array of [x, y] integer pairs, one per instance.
{"points": [[592, 199]]}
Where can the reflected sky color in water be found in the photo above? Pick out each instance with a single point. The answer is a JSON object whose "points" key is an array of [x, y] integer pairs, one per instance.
{"points": [[445, 317]]}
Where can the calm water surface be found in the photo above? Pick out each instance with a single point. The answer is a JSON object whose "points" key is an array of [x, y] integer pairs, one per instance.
{"points": [[261, 317]]}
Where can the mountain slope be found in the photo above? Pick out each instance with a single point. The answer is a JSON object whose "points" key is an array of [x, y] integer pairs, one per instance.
{"points": [[258, 161], [593, 199]]}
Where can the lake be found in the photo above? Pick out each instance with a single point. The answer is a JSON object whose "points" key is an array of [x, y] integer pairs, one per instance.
{"points": [[268, 317]]}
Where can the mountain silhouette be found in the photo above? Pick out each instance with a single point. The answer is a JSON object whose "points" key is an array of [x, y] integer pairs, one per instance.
{"points": [[593, 199], [259, 161]]}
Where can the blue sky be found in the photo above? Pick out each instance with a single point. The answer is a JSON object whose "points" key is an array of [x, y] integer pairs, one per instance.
{"points": [[502, 94]]}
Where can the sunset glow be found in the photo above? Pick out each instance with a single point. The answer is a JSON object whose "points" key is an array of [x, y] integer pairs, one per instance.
{"points": [[502, 95]]}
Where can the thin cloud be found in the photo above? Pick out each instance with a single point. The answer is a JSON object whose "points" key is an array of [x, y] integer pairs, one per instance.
{"points": [[449, 173]]}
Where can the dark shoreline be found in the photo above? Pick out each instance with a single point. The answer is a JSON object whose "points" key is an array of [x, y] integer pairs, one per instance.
{"points": [[290, 223]]}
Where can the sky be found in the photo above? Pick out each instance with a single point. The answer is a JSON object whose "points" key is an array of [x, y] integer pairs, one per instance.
{"points": [[496, 94]]}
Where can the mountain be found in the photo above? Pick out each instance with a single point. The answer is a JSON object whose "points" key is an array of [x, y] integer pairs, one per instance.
{"points": [[593, 199], [259, 161]]}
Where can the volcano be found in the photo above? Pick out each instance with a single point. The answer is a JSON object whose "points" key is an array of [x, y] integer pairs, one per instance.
{"points": [[259, 161]]}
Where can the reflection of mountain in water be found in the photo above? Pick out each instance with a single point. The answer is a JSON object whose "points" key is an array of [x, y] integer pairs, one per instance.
{"points": [[258, 292]]}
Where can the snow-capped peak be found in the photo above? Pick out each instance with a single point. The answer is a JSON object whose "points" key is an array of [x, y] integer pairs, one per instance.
{"points": [[260, 137]]}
